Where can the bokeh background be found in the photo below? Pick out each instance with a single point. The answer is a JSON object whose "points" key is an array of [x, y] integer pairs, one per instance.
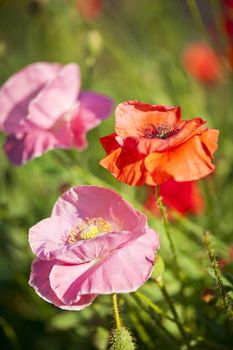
{"points": [[127, 50]]}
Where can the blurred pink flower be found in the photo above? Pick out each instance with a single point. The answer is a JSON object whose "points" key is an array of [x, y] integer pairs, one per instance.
{"points": [[41, 108], [94, 243]]}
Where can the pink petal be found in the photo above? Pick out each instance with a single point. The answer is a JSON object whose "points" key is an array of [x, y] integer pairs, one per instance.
{"points": [[122, 271], [93, 249], [48, 238], [19, 90], [92, 201], [100, 105], [92, 110], [39, 280], [35, 143], [56, 98]]}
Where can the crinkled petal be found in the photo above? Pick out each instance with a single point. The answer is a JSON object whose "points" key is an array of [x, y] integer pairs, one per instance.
{"points": [[132, 117], [92, 249], [48, 238], [56, 98], [19, 90], [209, 140], [125, 166], [124, 270], [92, 109], [190, 161], [39, 280], [94, 202], [146, 146]]}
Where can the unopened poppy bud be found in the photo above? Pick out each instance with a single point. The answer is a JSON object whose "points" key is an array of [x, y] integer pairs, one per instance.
{"points": [[94, 43], [121, 339]]}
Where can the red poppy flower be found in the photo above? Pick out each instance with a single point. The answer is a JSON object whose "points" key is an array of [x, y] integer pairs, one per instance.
{"points": [[89, 9], [202, 63], [183, 197], [228, 24], [152, 144], [228, 3]]}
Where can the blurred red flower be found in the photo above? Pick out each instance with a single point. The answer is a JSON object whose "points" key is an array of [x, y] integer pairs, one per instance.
{"points": [[151, 144], [202, 63], [89, 9], [183, 197], [228, 3]]}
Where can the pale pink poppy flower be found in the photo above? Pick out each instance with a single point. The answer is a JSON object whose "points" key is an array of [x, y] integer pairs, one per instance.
{"points": [[42, 108], [94, 243]]}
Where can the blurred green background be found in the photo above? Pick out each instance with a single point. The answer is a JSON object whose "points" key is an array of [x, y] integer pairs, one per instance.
{"points": [[131, 50]]}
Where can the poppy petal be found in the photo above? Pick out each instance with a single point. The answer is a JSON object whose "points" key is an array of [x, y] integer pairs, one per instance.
{"points": [[56, 98], [133, 116], [19, 90], [188, 162]]}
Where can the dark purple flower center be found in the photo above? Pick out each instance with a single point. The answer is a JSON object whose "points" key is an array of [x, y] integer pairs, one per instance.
{"points": [[159, 132]]}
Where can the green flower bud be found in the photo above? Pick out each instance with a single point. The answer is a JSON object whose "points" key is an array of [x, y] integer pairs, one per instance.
{"points": [[121, 339]]}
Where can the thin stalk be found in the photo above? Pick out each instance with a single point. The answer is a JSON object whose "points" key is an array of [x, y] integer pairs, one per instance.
{"points": [[137, 322], [153, 306], [220, 287], [146, 316], [116, 311], [197, 230], [171, 305], [167, 231], [10, 333], [194, 10]]}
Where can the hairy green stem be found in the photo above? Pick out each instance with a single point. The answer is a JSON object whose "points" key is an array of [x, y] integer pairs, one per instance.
{"points": [[116, 311], [220, 287]]}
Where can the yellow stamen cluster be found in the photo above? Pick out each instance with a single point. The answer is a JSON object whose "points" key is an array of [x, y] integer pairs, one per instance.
{"points": [[88, 229]]}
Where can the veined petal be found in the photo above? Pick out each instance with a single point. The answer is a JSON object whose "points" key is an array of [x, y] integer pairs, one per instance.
{"points": [[118, 272], [39, 280], [84, 201], [187, 129], [133, 116], [56, 98], [188, 162], [19, 90], [48, 238]]}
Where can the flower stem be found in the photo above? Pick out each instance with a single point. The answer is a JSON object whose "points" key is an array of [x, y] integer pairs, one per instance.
{"points": [[171, 305], [193, 7], [220, 287], [116, 311], [153, 306], [167, 231]]}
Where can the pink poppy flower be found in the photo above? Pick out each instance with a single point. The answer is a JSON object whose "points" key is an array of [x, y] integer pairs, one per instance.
{"points": [[41, 108], [94, 243]]}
